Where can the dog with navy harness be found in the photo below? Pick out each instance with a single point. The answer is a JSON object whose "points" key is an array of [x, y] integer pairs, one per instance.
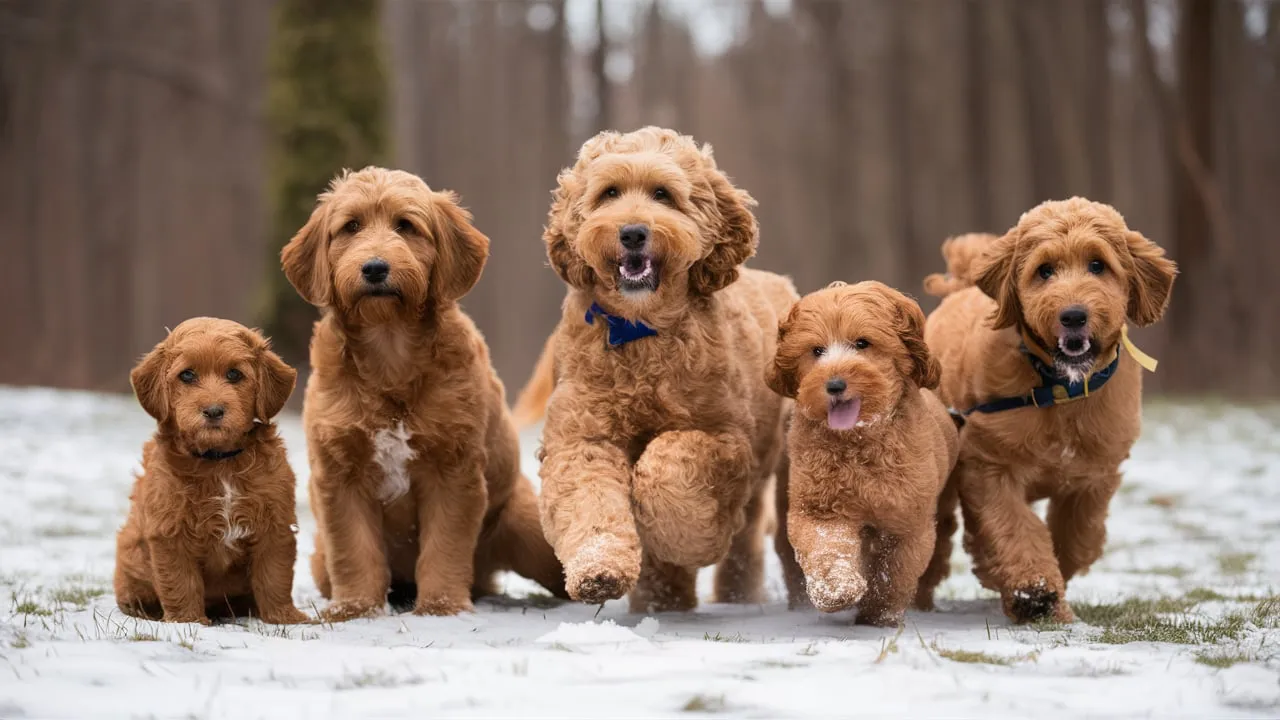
{"points": [[1035, 353]]}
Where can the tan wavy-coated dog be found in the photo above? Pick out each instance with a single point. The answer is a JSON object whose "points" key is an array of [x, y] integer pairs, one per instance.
{"points": [[1064, 281], [415, 473], [211, 525], [871, 448], [657, 453]]}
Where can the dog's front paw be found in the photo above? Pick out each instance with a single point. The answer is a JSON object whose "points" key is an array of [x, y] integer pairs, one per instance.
{"points": [[343, 610], [442, 605], [1033, 604], [605, 569], [284, 615], [834, 584]]}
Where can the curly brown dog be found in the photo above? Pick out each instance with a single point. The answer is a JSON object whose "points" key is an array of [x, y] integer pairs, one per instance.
{"points": [[871, 448], [1027, 353], [661, 435], [415, 472], [211, 525]]}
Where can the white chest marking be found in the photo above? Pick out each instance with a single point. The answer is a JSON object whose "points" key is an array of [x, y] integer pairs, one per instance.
{"points": [[392, 453], [233, 533]]}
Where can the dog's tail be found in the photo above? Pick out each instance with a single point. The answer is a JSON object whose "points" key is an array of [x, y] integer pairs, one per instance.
{"points": [[960, 252], [531, 404]]}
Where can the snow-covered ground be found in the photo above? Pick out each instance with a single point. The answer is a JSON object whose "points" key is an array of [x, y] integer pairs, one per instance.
{"points": [[1196, 526]]}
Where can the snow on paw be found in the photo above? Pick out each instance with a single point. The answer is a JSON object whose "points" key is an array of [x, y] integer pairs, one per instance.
{"points": [[605, 568], [834, 584]]}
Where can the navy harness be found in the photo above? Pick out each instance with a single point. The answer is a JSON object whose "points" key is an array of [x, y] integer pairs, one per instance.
{"points": [[621, 330], [1053, 389]]}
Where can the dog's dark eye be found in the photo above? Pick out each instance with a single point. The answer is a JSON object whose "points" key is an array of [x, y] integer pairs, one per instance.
{"points": [[403, 226], [819, 351], [609, 192], [1045, 271], [187, 376], [1096, 267], [861, 344], [352, 226], [234, 376], [661, 195]]}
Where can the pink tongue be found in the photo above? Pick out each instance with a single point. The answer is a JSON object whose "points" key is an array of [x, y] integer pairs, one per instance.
{"points": [[844, 415]]}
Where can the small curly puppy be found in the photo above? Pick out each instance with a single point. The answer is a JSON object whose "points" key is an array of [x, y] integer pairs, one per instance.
{"points": [[1038, 355], [211, 525], [871, 448], [661, 435], [415, 470]]}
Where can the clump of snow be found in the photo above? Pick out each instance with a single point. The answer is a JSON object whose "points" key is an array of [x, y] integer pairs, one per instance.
{"points": [[591, 633]]}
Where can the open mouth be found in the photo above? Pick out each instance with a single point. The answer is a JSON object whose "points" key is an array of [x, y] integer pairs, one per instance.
{"points": [[637, 272], [843, 414], [1074, 356]]}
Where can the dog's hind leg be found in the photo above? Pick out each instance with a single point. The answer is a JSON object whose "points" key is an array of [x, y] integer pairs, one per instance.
{"points": [[940, 564], [792, 575], [517, 543], [664, 587], [740, 576]]}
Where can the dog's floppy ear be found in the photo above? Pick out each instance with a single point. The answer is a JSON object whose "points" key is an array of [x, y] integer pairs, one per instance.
{"points": [[461, 250], [149, 382], [561, 222], [275, 377], [306, 259], [737, 232], [925, 370], [994, 274], [1150, 279], [780, 374]]}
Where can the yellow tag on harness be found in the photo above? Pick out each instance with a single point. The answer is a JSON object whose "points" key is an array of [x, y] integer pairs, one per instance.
{"points": [[1146, 361]]}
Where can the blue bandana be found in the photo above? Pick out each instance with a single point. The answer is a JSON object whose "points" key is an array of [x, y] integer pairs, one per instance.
{"points": [[621, 330]]}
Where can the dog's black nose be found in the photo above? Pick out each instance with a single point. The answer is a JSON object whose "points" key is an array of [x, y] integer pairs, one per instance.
{"points": [[633, 237], [375, 270], [213, 412], [1073, 317], [835, 386]]}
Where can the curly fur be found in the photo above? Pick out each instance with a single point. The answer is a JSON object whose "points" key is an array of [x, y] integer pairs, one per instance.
{"points": [[863, 500], [210, 537], [1068, 453], [415, 477], [961, 253], [657, 454]]}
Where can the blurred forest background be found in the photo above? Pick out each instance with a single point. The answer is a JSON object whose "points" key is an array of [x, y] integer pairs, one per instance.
{"points": [[156, 154]]}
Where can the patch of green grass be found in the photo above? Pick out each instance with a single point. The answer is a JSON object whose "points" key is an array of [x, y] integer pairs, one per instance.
{"points": [[20, 641], [543, 601], [28, 606], [142, 636], [1223, 658], [1267, 613], [780, 664], [1164, 501], [971, 656], [79, 596], [1235, 563], [704, 704], [64, 531], [1201, 594], [889, 646], [1136, 620], [739, 638]]}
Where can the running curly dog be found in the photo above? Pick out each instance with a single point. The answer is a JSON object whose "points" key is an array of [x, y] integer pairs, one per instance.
{"points": [[871, 448], [661, 436], [1038, 355], [415, 472], [210, 531]]}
